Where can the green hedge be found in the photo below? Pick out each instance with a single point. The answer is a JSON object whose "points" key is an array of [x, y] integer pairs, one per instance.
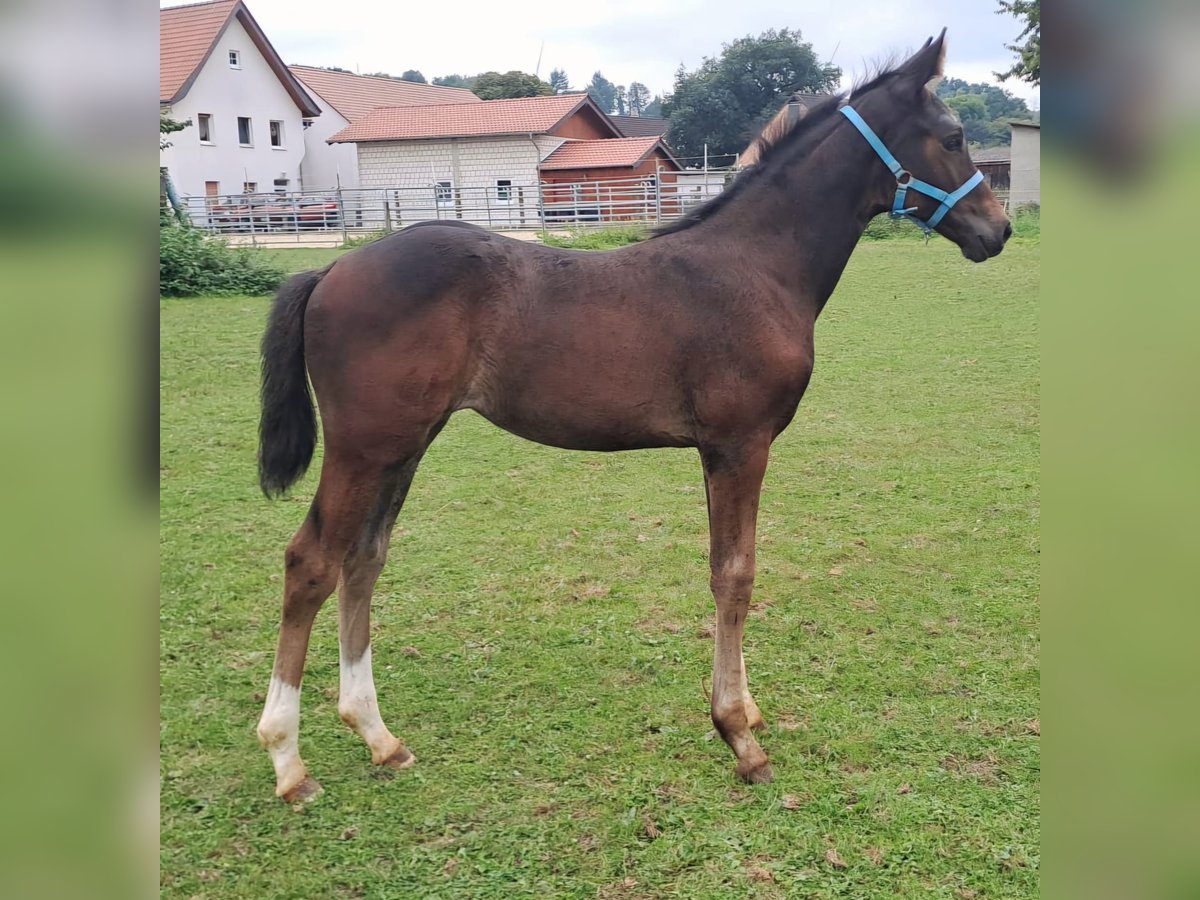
{"points": [[191, 264], [1026, 221], [598, 238]]}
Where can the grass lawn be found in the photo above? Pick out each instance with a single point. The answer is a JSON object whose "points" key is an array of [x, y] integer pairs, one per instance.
{"points": [[541, 634]]}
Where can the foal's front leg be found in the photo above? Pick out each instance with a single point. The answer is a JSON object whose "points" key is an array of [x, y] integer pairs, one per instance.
{"points": [[733, 478]]}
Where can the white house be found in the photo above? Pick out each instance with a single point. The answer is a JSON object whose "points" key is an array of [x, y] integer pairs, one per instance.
{"points": [[346, 98], [248, 112]]}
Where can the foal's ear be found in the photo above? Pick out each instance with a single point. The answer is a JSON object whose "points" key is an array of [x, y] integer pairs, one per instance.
{"points": [[925, 66]]}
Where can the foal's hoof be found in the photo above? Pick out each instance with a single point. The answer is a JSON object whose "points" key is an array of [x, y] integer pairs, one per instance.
{"points": [[756, 772], [303, 792], [401, 758], [759, 724]]}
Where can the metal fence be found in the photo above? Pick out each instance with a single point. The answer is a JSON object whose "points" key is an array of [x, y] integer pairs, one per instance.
{"points": [[511, 207]]}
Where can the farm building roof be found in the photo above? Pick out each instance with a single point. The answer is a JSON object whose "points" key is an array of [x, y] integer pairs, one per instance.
{"points": [[992, 155], [354, 96], [187, 35], [605, 154], [641, 126], [523, 115]]}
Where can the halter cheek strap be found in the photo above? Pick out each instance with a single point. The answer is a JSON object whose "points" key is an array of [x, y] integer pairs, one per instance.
{"points": [[905, 180]]}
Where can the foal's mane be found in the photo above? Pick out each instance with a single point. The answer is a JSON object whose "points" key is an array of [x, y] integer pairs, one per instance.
{"points": [[775, 141]]}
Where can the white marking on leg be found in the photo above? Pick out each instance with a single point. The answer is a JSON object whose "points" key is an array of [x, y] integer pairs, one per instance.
{"points": [[359, 707], [728, 677], [279, 733], [752, 712]]}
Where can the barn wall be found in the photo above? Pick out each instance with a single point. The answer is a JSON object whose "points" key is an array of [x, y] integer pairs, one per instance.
{"points": [[997, 174], [409, 169], [327, 165], [585, 125], [465, 162], [1026, 178]]}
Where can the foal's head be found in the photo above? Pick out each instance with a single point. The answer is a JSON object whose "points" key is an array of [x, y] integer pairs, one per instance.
{"points": [[928, 140]]}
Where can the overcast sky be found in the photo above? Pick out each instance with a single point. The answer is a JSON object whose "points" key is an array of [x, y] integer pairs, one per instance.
{"points": [[627, 40]]}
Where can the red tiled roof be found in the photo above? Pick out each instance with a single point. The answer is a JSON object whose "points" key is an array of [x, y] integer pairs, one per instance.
{"points": [[604, 154], [523, 115], [186, 35], [356, 95]]}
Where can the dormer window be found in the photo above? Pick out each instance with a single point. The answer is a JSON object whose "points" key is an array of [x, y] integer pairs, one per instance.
{"points": [[235, 59]]}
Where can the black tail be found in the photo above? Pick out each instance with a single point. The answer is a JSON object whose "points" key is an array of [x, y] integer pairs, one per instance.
{"points": [[287, 431]]}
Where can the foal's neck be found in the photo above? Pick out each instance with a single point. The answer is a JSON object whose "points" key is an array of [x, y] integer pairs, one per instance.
{"points": [[805, 216]]}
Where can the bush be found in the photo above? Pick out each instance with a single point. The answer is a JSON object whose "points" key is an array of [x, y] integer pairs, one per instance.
{"points": [[1027, 221], [598, 239], [361, 240], [192, 265], [884, 228]]}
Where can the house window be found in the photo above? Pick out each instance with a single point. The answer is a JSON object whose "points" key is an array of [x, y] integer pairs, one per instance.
{"points": [[504, 190], [245, 136], [235, 59], [281, 185], [249, 187], [204, 126], [443, 193], [211, 190], [276, 134]]}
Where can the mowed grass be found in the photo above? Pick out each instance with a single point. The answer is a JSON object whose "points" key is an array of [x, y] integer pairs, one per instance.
{"points": [[541, 635]]}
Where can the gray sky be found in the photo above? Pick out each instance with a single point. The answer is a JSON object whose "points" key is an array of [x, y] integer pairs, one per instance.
{"points": [[628, 40]]}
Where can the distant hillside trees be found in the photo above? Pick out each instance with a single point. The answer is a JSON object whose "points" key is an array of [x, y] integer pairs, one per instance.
{"points": [[985, 110]]}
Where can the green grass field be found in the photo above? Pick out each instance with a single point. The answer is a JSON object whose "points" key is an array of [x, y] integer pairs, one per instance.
{"points": [[541, 635]]}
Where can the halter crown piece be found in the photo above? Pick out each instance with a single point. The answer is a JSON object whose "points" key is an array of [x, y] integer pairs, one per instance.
{"points": [[905, 180]]}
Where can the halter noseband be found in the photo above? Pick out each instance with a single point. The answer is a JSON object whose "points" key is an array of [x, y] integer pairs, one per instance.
{"points": [[905, 180]]}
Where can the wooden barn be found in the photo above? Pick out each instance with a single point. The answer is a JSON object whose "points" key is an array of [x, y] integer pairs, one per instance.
{"points": [[609, 180], [996, 165]]}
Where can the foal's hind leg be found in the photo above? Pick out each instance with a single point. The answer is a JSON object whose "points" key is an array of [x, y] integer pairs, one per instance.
{"points": [[357, 704], [733, 477], [313, 559]]}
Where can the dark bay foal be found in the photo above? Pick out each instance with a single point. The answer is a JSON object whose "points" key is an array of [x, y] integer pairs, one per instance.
{"points": [[699, 337]]}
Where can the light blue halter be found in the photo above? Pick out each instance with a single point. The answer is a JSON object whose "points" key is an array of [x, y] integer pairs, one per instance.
{"points": [[905, 180]]}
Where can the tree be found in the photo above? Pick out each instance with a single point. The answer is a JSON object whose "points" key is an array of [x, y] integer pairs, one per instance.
{"points": [[168, 202], [727, 99], [603, 91], [558, 81], [456, 80], [984, 110], [973, 114], [620, 103], [167, 125], [654, 107], [498, 86], [414, 76], [637, 97], [1028, 48]]}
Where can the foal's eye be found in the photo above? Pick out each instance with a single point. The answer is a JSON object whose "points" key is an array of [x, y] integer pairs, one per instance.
{"points": [[955, 142]]}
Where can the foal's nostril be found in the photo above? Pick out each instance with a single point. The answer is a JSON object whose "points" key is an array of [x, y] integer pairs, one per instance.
{"points": [[1008, 231]]}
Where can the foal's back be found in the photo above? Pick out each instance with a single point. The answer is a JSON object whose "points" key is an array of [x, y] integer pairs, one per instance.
{"points": [[638, 347]]}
